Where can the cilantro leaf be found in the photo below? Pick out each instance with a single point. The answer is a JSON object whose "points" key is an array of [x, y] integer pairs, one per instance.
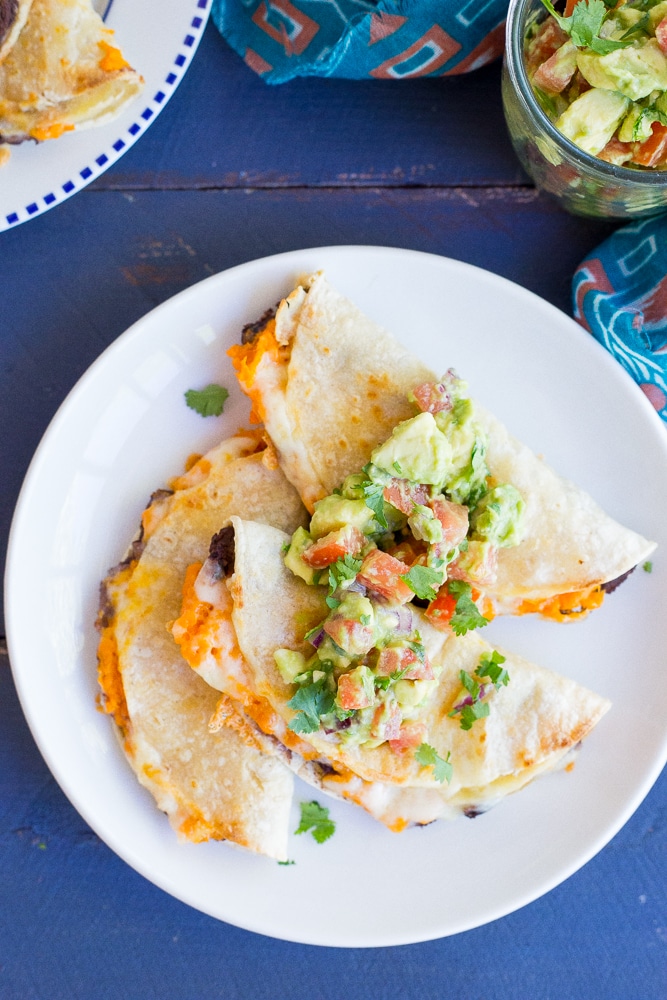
{"points": [[310, 702], [467, 615], [374, 498], [491, 666], [471, 713], [423, 581], [584, 24], [208, 402], [428, 756], [315, 818], [641, 130], [648, 566], [345, 568]]}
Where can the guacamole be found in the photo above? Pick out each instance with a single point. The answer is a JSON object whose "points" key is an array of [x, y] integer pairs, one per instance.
{"points": [[599, 72], [421, 523]]}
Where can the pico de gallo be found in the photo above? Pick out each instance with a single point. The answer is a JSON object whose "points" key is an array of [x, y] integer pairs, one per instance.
{"points": [[420, 525], [599, 71]]}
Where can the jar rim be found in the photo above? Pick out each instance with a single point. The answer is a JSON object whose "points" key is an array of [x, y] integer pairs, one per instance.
{"points": [[514, 37]]}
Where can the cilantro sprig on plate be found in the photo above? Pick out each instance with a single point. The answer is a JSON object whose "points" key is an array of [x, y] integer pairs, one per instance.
{"points": [[315, 818], [208, 402]]}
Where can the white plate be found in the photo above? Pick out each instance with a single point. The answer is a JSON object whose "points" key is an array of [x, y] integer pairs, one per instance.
{"points": [[125, 430], [159, 39]]}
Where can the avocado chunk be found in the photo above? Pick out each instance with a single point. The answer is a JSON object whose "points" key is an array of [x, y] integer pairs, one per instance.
{"points": [[416, 450], [634, 72], [293, 557], [334, 512], [592, 119]]}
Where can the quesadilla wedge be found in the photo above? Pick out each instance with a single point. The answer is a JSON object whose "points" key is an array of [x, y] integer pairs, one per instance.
{"points": [[213, 773], [415, 723], [352, 414], [61, 72]]}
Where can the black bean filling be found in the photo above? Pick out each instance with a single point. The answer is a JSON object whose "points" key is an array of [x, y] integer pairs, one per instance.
{"points": [[222, 551], [8, 12]]}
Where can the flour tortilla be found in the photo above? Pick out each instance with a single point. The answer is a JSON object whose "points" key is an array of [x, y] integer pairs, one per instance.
{"points": [[533, 724], [61, 71], [13, 15], [336, 390], [223, 782]]}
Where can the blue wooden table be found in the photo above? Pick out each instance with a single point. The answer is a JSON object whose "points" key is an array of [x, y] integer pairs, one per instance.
{"points": [[234, 170]]}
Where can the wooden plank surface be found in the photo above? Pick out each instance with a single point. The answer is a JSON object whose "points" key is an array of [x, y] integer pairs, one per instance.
{"points": [[225, 127], [233, 170]]}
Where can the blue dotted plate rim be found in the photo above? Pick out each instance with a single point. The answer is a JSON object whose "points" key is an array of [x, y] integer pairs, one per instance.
{"points": [[123, 142]]}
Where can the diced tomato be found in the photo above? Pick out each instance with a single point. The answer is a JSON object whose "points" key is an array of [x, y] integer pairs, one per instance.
{"points": [[432, 397], [616, 152], [454, 520], [381, 574], [351, 635], [569, 7], [344, 541], [403, 494], [661, 35], [394, 658], [554, 74], [441, 610], [410, 736], [386, 724], [549, 37], [351, 692], [651, 151]]}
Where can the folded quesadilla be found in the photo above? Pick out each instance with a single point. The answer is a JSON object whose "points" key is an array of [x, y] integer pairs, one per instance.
{"points": [[212, 771], [382, 449], [414, 723], [60, 70]]}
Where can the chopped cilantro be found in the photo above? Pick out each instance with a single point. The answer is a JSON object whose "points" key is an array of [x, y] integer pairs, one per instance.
{"points": [[428, 756], [584, 24], [315, 818], [344, 569], [490, 666], [311, 702], [287, 862], [648, 566], [374, 498], [471, 713], [423, 581], [641, 130], [208, 402], [467, 615], [473, 708]]}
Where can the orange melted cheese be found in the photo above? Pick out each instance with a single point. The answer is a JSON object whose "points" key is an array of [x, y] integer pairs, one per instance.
{"points": [[246, 359], [53, 131], [565, 607], [112, 701], [112, 58]]}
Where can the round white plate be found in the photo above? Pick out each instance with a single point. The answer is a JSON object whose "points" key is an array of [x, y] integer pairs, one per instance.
{"points": [[158, 38], [125, 430]]}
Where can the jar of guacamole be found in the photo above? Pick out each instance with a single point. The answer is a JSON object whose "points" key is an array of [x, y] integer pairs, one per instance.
{"points": [[582, 103]]}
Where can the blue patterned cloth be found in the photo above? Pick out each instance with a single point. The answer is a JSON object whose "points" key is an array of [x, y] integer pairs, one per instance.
{"points": [[357, 39], [620, 295]]}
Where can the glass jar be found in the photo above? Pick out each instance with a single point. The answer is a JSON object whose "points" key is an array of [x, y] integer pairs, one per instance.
{"points": [[584, 184]]}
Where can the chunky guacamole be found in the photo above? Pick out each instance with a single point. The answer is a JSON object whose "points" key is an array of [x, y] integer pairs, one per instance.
{"points": [[420, 524], [599, 71]]}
